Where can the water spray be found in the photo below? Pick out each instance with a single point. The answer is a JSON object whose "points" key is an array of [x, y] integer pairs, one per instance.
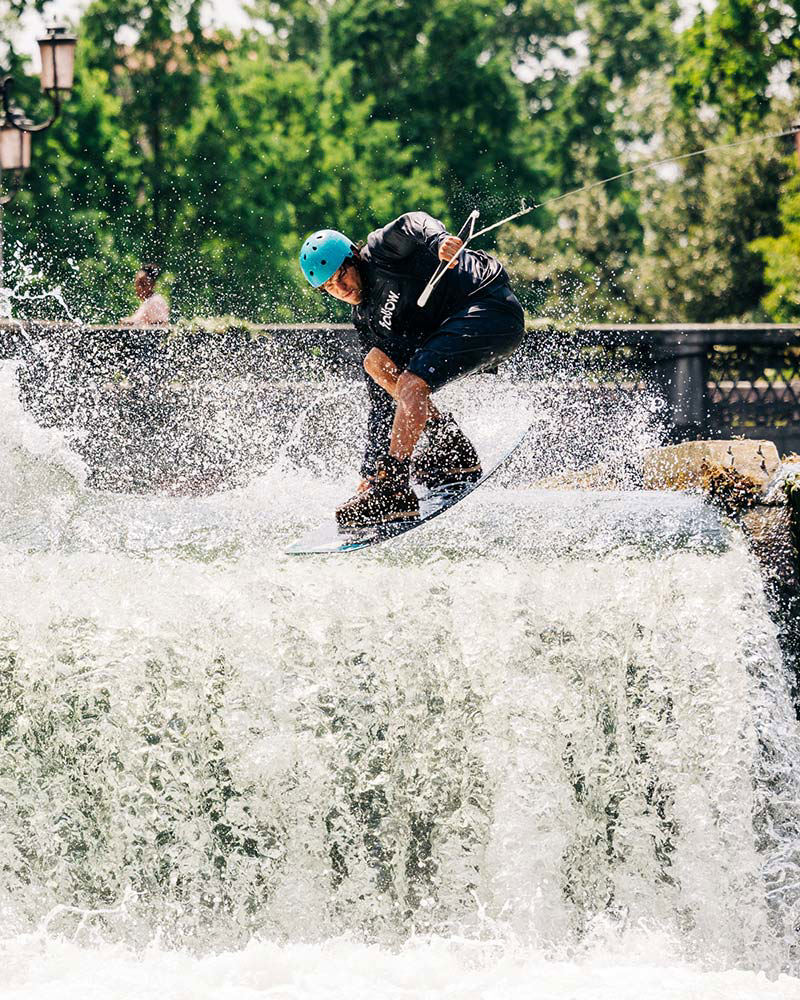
{"points": [[468, 233]]}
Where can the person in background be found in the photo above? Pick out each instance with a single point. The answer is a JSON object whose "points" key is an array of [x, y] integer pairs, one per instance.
{"points": [[154, 310]]}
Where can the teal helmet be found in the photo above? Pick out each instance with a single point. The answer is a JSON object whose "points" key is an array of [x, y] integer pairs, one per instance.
{"points": [[322, 254]]}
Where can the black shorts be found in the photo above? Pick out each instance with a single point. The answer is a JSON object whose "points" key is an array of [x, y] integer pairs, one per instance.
{"points": [[475, 339]]}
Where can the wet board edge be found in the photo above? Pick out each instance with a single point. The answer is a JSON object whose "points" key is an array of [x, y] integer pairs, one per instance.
{"points": [[305, 547]]}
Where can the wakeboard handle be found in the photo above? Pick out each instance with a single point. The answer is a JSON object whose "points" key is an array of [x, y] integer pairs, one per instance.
{"points": [[465, 234]]}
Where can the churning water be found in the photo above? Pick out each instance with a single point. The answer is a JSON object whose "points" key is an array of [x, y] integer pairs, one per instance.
{"points": [[543, 747]]}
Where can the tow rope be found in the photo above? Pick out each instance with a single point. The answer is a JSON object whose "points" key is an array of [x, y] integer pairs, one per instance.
{"points": [[468, 233]]}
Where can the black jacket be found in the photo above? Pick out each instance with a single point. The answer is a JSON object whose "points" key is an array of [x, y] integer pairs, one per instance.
{"points": [[396, 263]]}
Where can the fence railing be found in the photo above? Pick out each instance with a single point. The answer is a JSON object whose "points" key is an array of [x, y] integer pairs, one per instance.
{"points": [[715, 379]]}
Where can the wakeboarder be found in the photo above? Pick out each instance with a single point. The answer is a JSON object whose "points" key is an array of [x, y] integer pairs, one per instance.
{"points": [[470, 324]]}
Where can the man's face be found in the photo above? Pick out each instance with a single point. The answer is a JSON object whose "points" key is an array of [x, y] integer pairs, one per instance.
{"points": [[345, 284]]}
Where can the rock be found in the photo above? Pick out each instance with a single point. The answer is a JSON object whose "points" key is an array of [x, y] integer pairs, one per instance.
{"points": [[597, 477], [784, 484], [791, 490], [696, 464], [769, 531]]}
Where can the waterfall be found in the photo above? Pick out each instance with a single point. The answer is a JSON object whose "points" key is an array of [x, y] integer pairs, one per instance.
{"points": [[551, 725]]}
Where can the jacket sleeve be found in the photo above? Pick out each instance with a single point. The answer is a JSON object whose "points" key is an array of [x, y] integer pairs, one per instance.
{"points": [[406, 234]]}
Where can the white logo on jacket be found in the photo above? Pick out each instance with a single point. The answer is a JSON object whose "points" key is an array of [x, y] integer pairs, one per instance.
{"points": [[388, 308]]}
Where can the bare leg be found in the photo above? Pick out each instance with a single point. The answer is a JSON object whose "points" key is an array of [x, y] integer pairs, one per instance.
{"points": [[384, 371], [413, 398]]}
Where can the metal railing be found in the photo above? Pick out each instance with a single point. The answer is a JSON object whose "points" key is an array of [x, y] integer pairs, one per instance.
{"points": [[716, 380]]}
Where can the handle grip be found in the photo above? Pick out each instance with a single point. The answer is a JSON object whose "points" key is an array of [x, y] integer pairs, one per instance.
{"points": [[465, 235]]}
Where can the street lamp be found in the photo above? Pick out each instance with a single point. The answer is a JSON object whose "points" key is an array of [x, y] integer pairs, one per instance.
{"points": [[15, 146], [57, 51]]}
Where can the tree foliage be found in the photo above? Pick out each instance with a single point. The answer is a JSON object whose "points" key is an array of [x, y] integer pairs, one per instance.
{"points": [[727, 58], [781, 256], [216, 154], [697, 263]]}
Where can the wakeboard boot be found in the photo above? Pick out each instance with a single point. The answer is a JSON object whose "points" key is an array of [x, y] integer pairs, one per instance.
{"points": [[447, 457], [388, 498]]}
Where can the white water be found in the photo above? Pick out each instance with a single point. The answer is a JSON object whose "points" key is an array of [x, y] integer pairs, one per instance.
{"points": [[544, 747], [641, 968]]}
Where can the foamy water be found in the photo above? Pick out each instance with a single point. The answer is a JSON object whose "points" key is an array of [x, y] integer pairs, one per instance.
{"points": [[341, 969], [542, 747]]}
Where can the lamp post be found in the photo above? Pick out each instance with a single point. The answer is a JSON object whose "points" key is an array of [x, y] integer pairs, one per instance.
{"points": [[57, 51]]}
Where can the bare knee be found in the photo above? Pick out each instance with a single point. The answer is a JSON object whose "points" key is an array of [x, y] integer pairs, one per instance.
{"points": [[412, 391]]}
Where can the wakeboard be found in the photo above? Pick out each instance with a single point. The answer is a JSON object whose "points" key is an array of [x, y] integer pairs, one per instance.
{"points": [[329, 537]]}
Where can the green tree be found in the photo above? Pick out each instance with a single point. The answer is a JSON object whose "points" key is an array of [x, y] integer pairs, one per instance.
{"points": [[700, 219], [576, 265], [727, 58], [626, 40], [575, 268], [273, 152], [781, 257], [158, 80], [71, 219], [443, 71], [295, 29], [216, 155]]}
